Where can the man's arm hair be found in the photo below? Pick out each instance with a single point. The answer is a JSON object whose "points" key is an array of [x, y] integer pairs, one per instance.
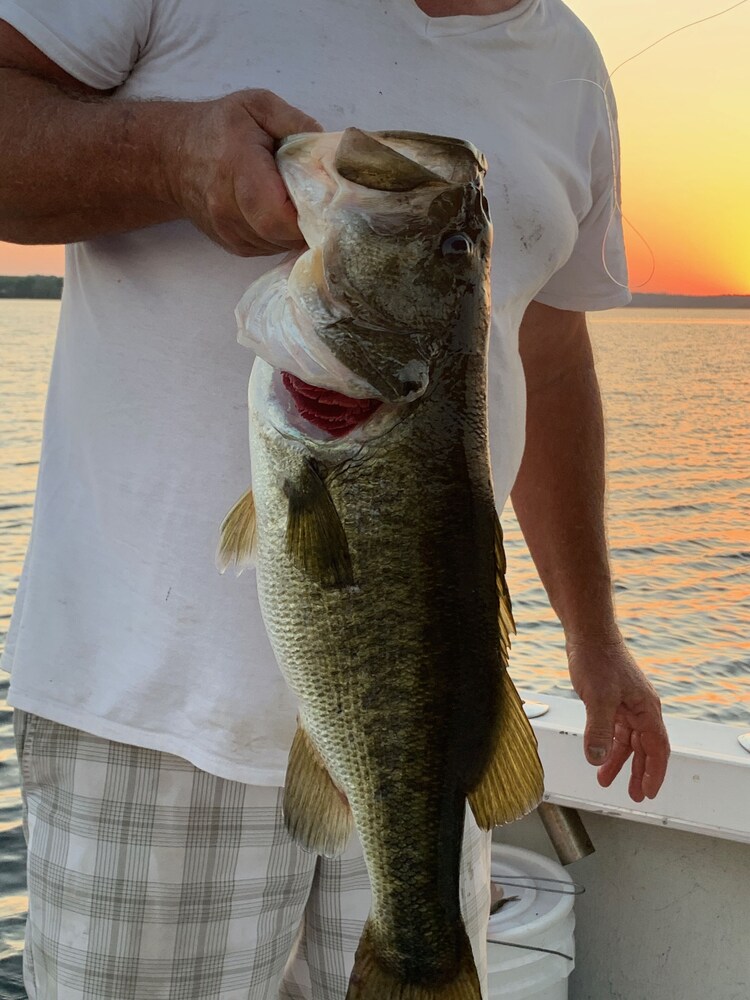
{"points": [[75, 164]]}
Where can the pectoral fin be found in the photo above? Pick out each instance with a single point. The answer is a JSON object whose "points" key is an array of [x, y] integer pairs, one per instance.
{"points": [[513, 782], [237, 535], [316, 811], [315, 537]]}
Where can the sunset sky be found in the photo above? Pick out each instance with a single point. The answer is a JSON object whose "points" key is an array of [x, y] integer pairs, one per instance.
{"points": [[685, 128]]}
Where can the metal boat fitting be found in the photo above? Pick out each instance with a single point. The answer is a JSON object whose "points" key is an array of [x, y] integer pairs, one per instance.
{"points": [[565, 829]]}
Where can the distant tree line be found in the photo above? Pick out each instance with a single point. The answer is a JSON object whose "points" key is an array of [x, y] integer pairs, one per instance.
{"points": [[45, 286], [651, 300], [30, 286]]}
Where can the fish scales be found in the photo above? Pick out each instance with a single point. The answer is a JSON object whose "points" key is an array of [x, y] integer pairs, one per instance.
{"points": [[377, 550], [383, 682]]}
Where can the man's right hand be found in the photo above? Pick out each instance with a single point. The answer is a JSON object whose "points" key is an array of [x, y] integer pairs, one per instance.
{"points": [[222, 174], [75, 164]]}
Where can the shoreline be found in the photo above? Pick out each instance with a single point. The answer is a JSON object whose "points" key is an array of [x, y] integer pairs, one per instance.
{"points": [[46, 286]]}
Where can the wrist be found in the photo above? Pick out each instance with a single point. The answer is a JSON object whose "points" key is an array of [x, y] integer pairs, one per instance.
{"points": [[587, 611], [599, 634], [163, 130]]}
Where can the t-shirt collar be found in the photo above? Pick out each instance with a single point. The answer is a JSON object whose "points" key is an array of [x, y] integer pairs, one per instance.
{"points": [[464, 24]]}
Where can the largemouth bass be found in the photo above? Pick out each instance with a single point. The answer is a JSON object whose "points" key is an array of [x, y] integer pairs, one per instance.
{"points": [[378, 549]]}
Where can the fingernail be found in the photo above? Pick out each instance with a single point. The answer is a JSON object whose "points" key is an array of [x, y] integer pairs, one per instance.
{"points": [[597, 754]]}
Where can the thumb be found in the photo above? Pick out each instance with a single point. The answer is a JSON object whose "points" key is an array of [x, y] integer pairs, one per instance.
{"points": [[599, 734], [277, 118]]}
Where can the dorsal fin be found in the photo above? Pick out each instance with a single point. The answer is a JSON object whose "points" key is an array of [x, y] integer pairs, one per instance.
{"points": [[507, 623], [513, 782]]}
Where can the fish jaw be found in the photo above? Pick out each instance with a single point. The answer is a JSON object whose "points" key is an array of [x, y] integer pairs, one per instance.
{"points": [[272, 323], [281, 320], [373, 303]]}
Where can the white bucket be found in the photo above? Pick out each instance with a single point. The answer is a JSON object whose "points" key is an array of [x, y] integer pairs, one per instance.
{"points": [[537, 919]]}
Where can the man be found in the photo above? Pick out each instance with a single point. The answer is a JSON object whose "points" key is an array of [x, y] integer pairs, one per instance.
{"points": [[152, 722]]}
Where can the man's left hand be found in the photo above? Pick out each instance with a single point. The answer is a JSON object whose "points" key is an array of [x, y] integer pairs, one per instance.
{"points": [[623, 715]]}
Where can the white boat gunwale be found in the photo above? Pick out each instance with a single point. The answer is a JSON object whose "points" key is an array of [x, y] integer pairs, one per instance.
{"points": [[707, 789]]}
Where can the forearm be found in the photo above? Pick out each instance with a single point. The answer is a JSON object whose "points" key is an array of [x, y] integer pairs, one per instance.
{"points": [[559, 497], [559, 500], [73, 167]]}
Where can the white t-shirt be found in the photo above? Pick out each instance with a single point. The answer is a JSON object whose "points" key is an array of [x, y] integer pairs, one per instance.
{"points": [[122, 625]]}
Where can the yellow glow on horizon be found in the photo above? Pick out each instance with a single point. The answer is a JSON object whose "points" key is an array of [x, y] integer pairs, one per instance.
{"points": [[685, 128]]}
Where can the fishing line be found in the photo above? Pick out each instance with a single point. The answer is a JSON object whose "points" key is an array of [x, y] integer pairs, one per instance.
{"points": [[614, 147], [676, 31], [517, 882], [531, 947], [616, 205]]}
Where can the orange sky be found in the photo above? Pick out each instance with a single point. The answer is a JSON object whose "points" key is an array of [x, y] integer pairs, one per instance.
{"points": [[685, 128]]}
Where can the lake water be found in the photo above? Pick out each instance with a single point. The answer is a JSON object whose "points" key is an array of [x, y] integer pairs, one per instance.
{"points": [[676, 389]]}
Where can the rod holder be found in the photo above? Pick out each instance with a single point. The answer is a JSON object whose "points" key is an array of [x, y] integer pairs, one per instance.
{"points": [[565, 829]]}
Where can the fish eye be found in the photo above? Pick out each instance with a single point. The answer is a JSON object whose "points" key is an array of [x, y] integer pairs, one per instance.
{"points": [[457, 244]]}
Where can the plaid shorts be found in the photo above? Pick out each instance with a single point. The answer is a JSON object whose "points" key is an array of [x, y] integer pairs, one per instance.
{"points": [[152, 880]]}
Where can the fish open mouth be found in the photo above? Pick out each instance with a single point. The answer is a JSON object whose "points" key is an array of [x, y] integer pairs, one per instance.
{"points": [[330, 411]]}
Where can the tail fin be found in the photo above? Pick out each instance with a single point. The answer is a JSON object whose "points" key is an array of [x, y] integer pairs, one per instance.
{"points": [[371, 979]]}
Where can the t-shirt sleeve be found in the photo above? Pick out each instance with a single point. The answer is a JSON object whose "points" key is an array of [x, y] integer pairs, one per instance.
{"points": [[96, 41], [595, 276]]}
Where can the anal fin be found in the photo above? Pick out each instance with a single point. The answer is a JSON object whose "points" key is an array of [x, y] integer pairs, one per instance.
{"points": [[316, 811]]}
